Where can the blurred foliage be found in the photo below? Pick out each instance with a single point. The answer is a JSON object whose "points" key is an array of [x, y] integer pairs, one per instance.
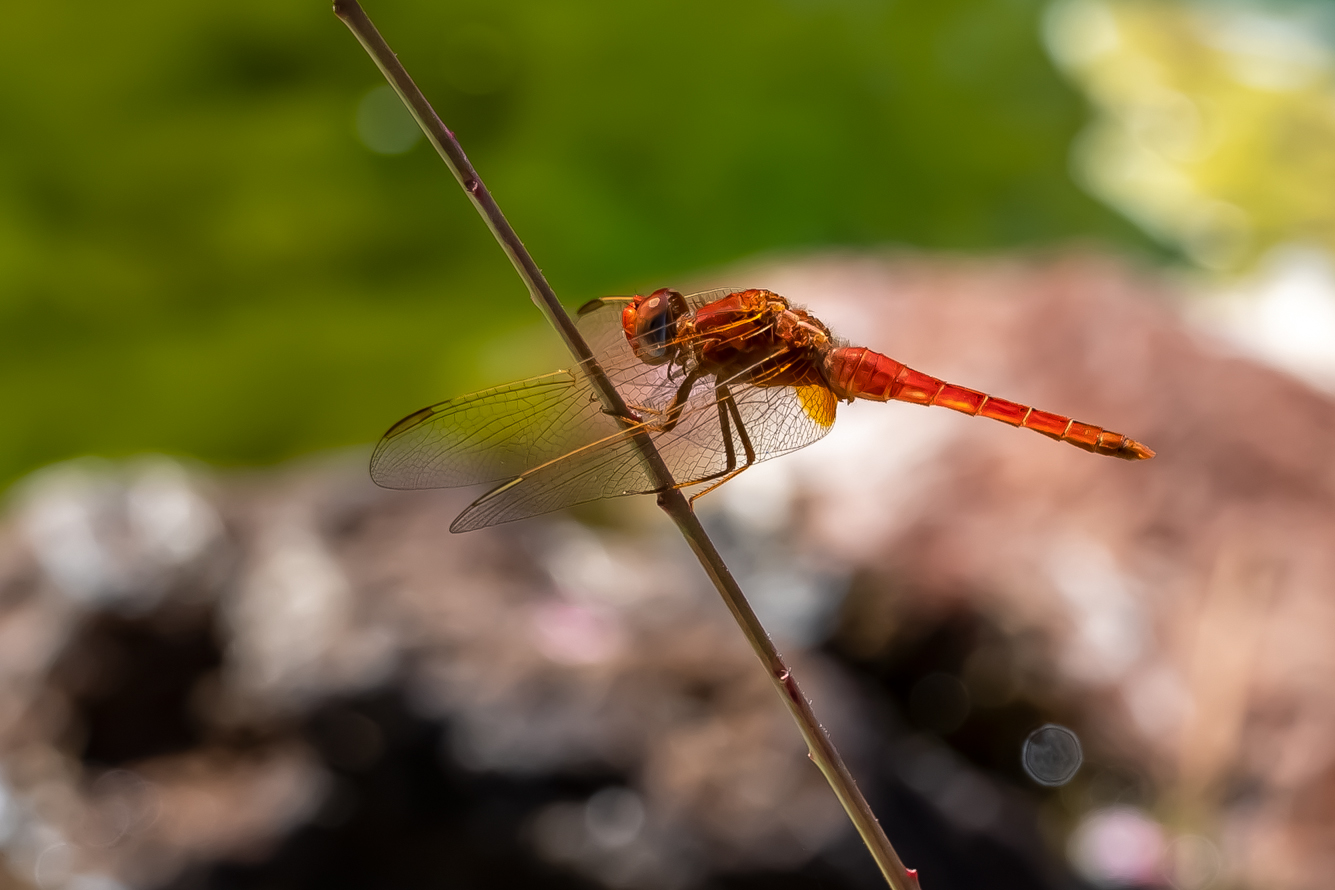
{"points": [[198, 255], [1216, 125]]}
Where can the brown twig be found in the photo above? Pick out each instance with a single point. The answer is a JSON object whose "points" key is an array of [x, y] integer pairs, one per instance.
{"points": [[673, 502]]}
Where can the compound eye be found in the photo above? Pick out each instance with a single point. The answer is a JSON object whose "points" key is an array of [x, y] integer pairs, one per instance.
{"points": [[654, 325]]}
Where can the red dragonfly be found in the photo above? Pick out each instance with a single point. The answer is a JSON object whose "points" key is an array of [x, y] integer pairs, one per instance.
{"points": [[721, 380]]}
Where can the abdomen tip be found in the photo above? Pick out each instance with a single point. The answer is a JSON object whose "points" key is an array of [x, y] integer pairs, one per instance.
{"points": [[1133, 450]]}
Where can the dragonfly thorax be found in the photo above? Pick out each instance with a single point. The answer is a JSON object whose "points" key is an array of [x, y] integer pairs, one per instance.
{"points": [[799, 329]]}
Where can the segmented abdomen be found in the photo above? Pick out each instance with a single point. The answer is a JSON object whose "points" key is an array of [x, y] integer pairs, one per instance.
{"points": [[857, 372]]}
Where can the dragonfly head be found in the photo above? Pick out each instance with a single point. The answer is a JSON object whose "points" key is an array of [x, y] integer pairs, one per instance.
{"points": [[650, 324]]}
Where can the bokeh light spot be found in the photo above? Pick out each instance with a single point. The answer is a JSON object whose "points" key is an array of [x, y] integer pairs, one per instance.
{"points": [[1118, 847], [1052, 755], [1193, 862], [384, 124], [54, 866], [614, 817]]}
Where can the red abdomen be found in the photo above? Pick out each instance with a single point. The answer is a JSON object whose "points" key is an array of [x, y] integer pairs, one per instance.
{"points": [[855, 372]]}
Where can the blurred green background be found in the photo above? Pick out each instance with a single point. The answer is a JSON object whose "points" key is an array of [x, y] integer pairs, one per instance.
{"points": [[202, 254]]}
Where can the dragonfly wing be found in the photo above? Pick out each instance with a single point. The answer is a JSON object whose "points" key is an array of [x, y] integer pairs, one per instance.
{"points": [[695, 451], [780, 419], [774, 419], [599, 322], [610, 467], [551, 445], [705, 297], [546, 439], [609, 464], [491, 435]]}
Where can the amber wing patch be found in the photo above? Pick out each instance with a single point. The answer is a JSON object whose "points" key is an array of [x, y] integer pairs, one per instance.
{"points": [[819, 403]]}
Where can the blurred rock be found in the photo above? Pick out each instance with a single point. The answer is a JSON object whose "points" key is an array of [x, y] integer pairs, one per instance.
{"points": [[234, 680]]}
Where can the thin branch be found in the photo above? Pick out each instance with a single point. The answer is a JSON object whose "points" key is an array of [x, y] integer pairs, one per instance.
{"points": [[673, 502]]}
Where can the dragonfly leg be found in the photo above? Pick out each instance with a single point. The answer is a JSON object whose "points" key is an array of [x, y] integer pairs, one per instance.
{"points": [[729, 449], [673, 412], [632, 415], [728, 405]]}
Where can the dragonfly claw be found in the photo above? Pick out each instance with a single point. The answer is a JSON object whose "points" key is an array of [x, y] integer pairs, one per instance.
{"points": [[629, 416]]}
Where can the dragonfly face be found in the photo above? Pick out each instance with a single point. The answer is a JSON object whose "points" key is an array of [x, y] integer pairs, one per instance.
{"points": [[650, 324]]}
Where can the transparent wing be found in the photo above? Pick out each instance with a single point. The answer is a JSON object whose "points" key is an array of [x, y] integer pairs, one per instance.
{"points": [[706, 443], [499, 433], [785, 418], [704, 297], [551, 445], [608, 467], [491, 435]]}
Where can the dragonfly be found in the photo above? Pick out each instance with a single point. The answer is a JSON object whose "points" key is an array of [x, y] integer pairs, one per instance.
{"points": [[719, 380]]}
